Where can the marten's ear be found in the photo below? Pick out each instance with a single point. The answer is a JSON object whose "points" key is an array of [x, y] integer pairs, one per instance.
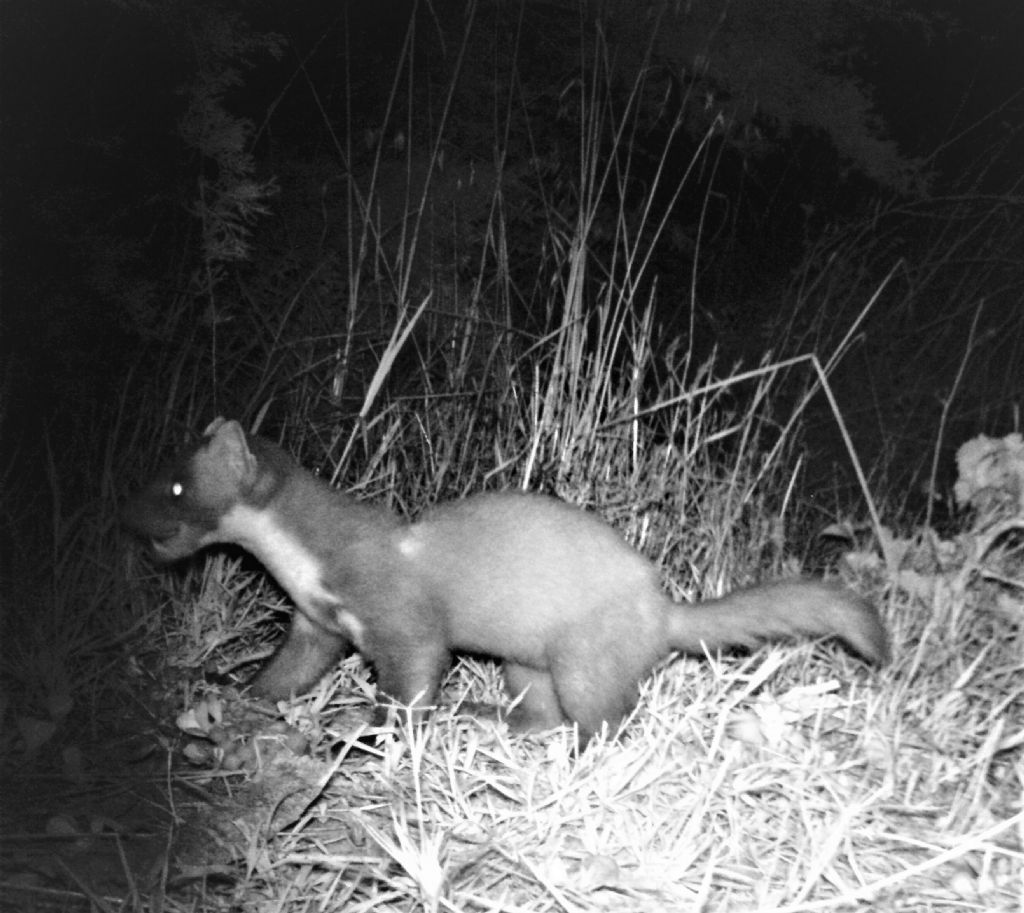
{"points": [[228, 444], [211, 429]]}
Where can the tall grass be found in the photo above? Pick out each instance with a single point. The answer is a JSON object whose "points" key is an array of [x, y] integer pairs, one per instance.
{"points": [[941, 355]]}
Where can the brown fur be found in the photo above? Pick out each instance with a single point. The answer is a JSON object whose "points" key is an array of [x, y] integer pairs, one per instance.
{"points": [[576, 615]]}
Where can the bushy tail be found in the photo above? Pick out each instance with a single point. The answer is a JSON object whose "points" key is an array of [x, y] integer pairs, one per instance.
{"points": [[780, 611]]}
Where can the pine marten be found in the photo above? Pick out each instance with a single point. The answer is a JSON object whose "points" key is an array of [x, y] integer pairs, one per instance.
{"points": [[575, 615]]}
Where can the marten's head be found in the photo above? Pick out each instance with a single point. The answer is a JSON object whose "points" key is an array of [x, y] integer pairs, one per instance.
{"points": [[180, 510]]}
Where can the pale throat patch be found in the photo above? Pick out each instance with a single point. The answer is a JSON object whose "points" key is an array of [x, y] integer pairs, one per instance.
{"points": [[353, 626], [292, 565]]}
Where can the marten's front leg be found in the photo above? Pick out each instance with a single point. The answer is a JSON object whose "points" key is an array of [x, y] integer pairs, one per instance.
{"points": [[309, 651]]}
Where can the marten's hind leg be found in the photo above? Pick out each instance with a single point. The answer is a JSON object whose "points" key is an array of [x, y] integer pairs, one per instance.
{"points": [[537, 707], [573, 692], [597, 676]]}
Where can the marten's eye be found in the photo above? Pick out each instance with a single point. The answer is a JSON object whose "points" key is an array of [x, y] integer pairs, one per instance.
{"points": [[177, 489]]}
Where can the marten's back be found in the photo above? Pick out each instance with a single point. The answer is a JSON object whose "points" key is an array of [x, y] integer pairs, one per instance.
{"points": [[514, 571]]}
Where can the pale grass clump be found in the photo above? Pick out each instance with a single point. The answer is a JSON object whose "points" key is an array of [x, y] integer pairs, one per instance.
{"points": [[752, 784]]}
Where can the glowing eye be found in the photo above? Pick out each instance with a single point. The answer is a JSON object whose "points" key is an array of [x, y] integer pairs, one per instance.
{"points": [[177, 489]]}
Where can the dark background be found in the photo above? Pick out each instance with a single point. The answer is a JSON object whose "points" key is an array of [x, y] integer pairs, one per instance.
{"points": [[100, 178]]}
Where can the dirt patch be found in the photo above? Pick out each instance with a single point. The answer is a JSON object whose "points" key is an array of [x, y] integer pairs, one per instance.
{"points": [[143, 816]]}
